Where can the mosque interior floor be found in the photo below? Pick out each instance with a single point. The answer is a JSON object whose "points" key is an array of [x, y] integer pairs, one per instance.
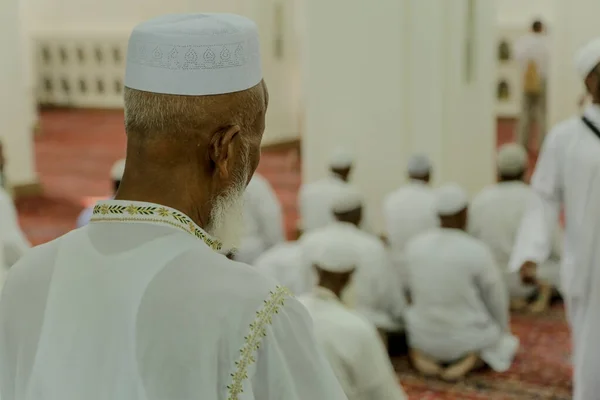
{"points": [[75, 151]]}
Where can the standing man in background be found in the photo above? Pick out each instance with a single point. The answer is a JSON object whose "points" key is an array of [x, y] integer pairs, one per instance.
{"points": [[533, 53]]}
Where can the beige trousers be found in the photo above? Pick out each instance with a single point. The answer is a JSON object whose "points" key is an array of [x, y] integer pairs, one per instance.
{"points": [[533, 109]]}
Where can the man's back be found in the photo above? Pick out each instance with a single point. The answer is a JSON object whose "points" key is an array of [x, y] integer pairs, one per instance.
{"points": [[145, 310], [533, 47], [315, 201], [287, 265]]}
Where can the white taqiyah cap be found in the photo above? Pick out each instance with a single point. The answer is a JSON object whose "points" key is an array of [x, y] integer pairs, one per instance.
{"points": [[117, 170], [419, 165], [341, 158], [451, 199], [347, 199], [587, 58], [512, 159], [194, 55], [333, 254]]}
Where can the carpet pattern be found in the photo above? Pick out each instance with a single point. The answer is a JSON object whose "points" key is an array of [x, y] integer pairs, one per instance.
{"points": [[75, 152]]}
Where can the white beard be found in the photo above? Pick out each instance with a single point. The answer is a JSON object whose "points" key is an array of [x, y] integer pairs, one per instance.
{"points": [[227, 215]]}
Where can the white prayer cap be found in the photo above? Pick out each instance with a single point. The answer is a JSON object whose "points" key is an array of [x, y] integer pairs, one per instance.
{"points": [[512, 159], [333, 254], [118, 168], [348, 199], [341, 158], [194, 55], [587, 58], [419, 165], [451, 199]]}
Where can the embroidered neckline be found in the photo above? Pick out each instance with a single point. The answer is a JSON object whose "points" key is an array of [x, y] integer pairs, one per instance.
{"points": [[253, 341], [134, 211]]}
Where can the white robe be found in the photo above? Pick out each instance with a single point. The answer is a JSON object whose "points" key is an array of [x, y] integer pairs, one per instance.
{"points": [[568, 174], [408, 212], [373, 292], [263, 219], [14, 242], [495, 216], [459, 301], [315, 202], [354, 349], [138, 305], [287, 264]]}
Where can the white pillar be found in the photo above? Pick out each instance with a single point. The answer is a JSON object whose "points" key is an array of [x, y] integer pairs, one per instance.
{"points": [[577, 25], [16, 100], [388, 79]]}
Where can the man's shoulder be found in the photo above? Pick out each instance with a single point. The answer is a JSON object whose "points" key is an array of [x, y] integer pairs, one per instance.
{"points": [[564, 130]]}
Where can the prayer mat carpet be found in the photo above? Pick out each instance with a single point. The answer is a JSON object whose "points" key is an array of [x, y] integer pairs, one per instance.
{"points": [[76, 149]]}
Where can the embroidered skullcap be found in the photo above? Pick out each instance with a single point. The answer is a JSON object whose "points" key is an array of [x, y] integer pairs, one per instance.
{"points": [[118, 168], [587, 58], [332, 254], [194, 55], [347, 199], [512, 159], [451, 199], [341, 158], [419, 165]]}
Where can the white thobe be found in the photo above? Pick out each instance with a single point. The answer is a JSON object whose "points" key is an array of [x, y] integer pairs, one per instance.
{"points": [[408, 212], [568, 174], [459, 301], [533, 48], [374, 293], [263, 219], [315, 202], [138, 305], [495, 215], [14, 242], [353, 347], [286, 263]]}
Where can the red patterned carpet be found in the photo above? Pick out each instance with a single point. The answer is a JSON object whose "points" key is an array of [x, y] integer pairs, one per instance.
{"points": [[75, 152]]}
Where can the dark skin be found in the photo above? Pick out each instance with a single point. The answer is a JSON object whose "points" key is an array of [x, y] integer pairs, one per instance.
{"points": [[342, 173], [188, 169], [424, 178], [520, 177], [537, 27], [455, 221], [353, 217], [333, 281]]}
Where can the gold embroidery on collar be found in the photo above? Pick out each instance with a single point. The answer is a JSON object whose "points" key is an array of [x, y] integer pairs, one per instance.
{"points": [[118, 212], [258, 330]]}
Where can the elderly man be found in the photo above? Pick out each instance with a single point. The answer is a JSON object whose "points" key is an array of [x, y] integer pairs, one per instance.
{"points": [[409, 211], [374, 292], [351, 343], [567, 176], [286, 264], [495, 216], [263, 220], [459, 315], [139, 304], [116, 174], [315, 199]]}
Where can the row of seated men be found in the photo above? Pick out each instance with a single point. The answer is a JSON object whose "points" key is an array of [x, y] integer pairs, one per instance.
{"points": [[442, 276]]}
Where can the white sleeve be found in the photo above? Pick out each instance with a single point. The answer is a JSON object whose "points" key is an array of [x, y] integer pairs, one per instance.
{"points": [[493, 290], [535, 237], [374, 374], [289, 364]]}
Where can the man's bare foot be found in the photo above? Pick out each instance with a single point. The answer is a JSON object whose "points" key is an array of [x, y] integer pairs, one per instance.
{"points": [[542, 303], [518, 304], [460, 369], [425, 365]]}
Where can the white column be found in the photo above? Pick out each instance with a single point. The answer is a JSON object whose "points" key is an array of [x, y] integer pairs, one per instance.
{"points": [[16, 100], [388, 79], [577, 25]]}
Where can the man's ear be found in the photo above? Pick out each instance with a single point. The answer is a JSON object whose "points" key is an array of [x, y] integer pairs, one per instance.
{"points": [[221, 150]]}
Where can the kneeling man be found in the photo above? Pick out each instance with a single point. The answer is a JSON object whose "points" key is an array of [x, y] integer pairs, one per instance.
{"points": [[459, 317]]}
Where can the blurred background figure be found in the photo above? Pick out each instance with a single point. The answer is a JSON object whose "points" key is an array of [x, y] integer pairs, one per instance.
{"points": [[263, 220], [116, 175], [533, 54]]}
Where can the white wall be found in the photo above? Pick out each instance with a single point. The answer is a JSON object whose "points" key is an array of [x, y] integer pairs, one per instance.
{"points": [[397, 88], [79, 19], [15, 101], [523, 12]]}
